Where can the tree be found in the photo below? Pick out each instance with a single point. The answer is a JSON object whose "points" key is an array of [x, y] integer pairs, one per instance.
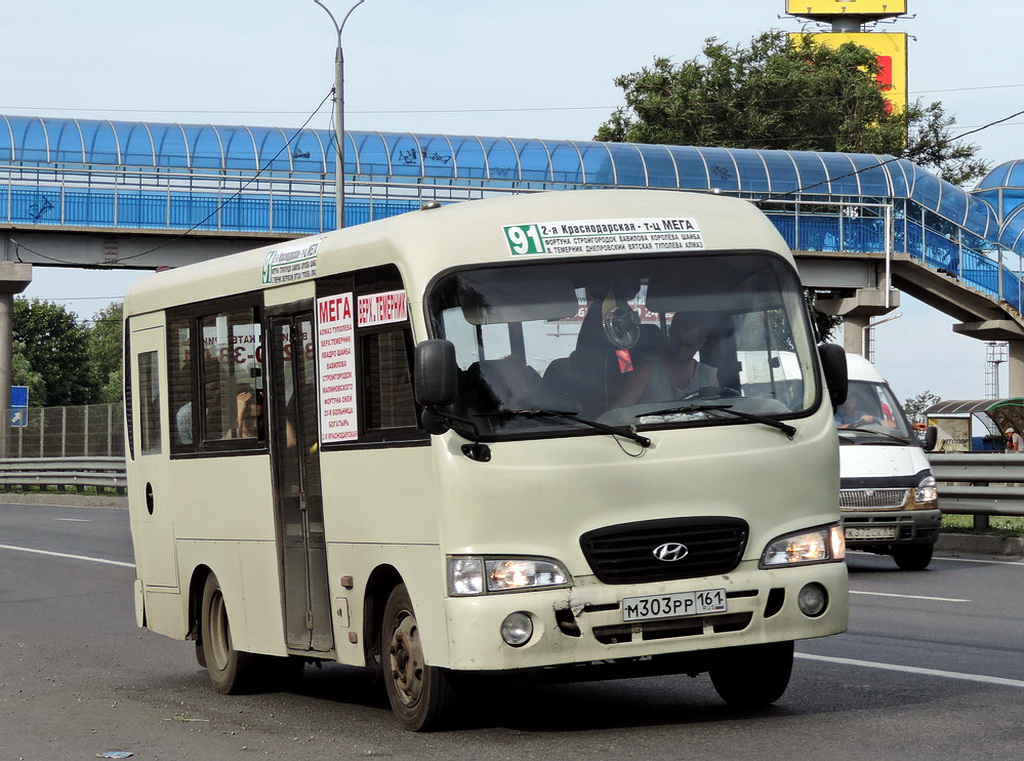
{"points": [[784, 93], [916, 405], [106, 352], [51, 344]]}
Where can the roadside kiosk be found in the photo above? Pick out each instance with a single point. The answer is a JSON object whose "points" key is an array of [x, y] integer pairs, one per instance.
{"points": [[973, 425]]}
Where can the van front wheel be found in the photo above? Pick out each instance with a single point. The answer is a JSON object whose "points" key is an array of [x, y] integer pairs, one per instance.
{"points": [[913, 557], [754, 676], [421, 696]]}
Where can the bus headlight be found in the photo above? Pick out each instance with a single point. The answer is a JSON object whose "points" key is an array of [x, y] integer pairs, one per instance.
{"points": [[820, 545], [925, 495], [469, 575]]}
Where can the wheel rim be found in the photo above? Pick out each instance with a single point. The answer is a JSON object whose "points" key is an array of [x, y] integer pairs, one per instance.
{"points": [[405, 656], [217, 650]]}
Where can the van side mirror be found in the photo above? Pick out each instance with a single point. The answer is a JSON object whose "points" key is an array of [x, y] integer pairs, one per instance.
{"points": [[833, 363], [931, 438], [436, 376]]}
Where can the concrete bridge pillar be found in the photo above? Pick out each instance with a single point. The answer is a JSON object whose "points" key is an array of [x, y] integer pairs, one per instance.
{"points": [[14, 278], [857, 311], [1015, 367]]}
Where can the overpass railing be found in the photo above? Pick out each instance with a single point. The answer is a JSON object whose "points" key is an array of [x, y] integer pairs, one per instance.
{"points": [[139, 199]]}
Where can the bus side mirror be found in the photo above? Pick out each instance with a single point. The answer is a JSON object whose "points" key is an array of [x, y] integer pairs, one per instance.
{"points": [[833, 363], [436, 373]]}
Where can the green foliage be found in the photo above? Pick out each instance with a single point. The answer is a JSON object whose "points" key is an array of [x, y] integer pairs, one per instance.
{"points": [[825, 325], [916, 405], [106, 353], [783, 93], [50, 354]]}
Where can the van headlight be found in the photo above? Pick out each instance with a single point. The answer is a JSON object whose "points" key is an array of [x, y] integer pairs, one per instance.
{"points": [[926, 495], [820, 545], [469, 575]]}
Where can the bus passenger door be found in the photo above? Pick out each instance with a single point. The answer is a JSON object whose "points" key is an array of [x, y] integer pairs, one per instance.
{"points": [[151, 489], [298, 499]]}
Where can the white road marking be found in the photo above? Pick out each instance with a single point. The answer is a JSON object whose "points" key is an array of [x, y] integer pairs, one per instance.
{"points": [[74, 520], [978, 560], [66, 555], [914, 670], [909, 597]]}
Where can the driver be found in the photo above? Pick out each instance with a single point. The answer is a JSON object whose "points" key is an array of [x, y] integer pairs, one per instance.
{"points": [[675, 373], [848, 415]]}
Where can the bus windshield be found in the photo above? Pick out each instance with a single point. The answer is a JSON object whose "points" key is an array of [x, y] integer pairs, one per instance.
{"points": [[642, 342]]}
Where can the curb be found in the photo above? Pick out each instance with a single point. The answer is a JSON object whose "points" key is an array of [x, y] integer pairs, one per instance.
{"points": [[63, 500], [980, 544]]}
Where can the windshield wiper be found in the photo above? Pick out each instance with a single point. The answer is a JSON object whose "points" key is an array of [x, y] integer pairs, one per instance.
{"points": [[874, 432], [787, 429], [626, 433]]}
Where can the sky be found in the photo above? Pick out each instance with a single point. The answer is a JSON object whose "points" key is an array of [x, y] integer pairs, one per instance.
{"points": [[528, 69]]}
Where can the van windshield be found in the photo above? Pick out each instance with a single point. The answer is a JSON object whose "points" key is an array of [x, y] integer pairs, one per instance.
{"points": [[871, 408], [643, 342]]}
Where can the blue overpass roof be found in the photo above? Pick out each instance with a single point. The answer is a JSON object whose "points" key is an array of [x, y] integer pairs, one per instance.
{"points": [[494, 162]]}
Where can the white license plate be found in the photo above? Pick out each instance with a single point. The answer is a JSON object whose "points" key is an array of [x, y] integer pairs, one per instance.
{"points": [[675, 605], [867, 532]]}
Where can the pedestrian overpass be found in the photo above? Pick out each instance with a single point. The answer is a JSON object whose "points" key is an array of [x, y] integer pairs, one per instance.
{"points": [[140, 195]]}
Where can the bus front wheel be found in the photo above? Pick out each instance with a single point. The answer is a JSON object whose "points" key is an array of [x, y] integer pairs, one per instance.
{"points": [[421, 696], [754, 676]]}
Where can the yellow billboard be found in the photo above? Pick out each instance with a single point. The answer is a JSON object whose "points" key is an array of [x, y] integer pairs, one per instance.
{"points": [[891, 51], [876, 8]]}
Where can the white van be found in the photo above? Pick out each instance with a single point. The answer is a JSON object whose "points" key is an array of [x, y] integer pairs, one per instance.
{"points": [[888, 501]]}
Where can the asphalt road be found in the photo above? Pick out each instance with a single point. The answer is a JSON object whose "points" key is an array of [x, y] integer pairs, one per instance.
{"points": [[932, 669]]}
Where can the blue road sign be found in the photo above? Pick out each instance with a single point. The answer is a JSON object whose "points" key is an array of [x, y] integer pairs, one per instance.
{"points": [[19, 406]]}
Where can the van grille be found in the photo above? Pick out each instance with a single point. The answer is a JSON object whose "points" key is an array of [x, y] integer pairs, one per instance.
{"points": [[624, 554], [872, 499]]}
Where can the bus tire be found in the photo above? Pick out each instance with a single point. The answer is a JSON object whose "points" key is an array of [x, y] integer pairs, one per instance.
{"points": [[754, 676], [232, 672], [422, 697], [913, 557]]}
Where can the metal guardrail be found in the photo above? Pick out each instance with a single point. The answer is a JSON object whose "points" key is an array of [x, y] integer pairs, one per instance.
{"points": [[64, 472], [970, 484], [981, 485]]}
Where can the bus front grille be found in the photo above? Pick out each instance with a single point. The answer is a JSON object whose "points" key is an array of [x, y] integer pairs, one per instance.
{"points": [[664, 550]]}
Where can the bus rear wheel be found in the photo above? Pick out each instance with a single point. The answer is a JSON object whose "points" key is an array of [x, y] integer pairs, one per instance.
{"points": [[421, 696], [231, 671], [754, 676]]}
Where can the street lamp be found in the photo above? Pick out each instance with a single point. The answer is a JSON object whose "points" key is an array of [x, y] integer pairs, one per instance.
{"points": [[339, 115]]}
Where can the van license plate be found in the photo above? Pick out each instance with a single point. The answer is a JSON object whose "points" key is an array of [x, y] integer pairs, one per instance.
{"points": [[867, 532], [675, 605]]}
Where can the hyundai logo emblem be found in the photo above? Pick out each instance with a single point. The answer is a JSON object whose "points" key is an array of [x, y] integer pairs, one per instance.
{"points": [[670, 552]]}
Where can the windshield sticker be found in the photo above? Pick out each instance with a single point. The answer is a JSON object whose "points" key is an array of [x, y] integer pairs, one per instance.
{"points": [[287, 264], [382, 308], [604, 236], [335, 329]]}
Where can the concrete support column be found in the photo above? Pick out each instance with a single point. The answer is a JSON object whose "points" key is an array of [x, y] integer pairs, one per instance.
{"points": [[1015, 367], [14, 278], [854, 334]]}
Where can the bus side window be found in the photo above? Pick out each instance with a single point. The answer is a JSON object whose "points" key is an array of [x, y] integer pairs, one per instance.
{"points": [[387, 381], [180, 383], [232, 377], [149, 403]]}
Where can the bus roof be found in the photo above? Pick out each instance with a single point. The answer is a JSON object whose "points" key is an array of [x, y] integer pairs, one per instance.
{"points": [[425, 242]]}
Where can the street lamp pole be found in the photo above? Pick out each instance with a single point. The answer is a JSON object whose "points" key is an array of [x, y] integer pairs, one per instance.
{"points": [[339, 115]]}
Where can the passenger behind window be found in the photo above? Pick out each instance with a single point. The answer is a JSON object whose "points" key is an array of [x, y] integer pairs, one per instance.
{"points": [[250, 418], [673, 374]]}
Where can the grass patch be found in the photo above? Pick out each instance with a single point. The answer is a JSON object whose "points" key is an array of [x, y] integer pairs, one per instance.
{"points": [[998, 525]]}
